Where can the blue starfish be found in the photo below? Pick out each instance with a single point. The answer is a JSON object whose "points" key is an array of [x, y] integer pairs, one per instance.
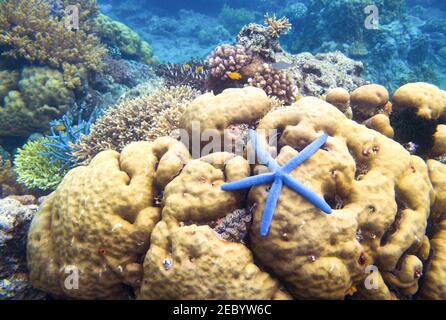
{"points": [[279, 176]]}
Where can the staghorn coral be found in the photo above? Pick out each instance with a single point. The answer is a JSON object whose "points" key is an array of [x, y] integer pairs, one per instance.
{"points": [[100, 219], [434, 286], [276, 83], [129, 43], [29, 31], [277, 27], [41, 95], [34, 169], [140, 119], [263, 40], [382, 207]]}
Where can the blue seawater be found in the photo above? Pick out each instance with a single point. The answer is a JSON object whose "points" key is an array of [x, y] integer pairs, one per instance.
{"points": [[409, 43]]}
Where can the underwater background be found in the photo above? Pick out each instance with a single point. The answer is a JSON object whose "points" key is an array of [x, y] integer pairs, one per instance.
{"points": [[109, 73]]}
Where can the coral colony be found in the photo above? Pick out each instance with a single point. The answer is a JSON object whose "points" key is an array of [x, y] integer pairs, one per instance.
{"points": [[102, 189], [279, 176]]}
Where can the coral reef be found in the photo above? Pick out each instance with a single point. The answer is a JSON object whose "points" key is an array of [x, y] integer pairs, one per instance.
{"points": [[227, 115], [369, 100], [127, 41], [15, 219], [140, 119], [29, 31], [419, 108], [191, 73], [434, 286], [340, 98], [39, 96], [316, 74], [382, 207], [35, 170], [8, 180], [101, 227], [187, 259]]}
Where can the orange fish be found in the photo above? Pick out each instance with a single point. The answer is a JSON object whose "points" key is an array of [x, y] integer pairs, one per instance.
{"points": [[234, 76]]}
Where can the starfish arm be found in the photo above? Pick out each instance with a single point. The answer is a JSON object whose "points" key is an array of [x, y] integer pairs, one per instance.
{"points": [[248, 182], [306, 153], [270, 206], [307, 193], [264, 157]]}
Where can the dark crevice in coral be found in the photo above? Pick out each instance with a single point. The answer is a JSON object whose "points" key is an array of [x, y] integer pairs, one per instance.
{"points": [[394, 226], [411, 128]]}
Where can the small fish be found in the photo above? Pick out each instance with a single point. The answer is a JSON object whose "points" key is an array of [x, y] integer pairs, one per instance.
{"points": [[186, 66], [281, 65], [199, 69], [234, 76], [60, 127]]}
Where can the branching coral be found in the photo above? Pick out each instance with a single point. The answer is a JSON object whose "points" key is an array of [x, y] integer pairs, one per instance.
{"points": [[28, 30], [34, 169], [141, 119], [277, 27]]}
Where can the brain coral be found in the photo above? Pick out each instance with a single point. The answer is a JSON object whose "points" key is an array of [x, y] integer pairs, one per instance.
{"points": [[99, 220], [381, 209], [187, 259], [104, 217]]}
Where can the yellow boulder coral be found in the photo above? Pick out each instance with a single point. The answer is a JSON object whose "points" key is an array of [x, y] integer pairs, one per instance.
{"points": [[381, 207], [187, 259], [434, 286], [98, 222], [369, 100], [427, 100]]}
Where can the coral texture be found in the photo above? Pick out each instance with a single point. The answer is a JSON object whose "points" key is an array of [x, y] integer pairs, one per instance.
{"points": [[99, 220], [187, 259], [369, 100], [40, 95], [229, 113], [276, 83], [127, 41], [226, 59], [34, 169], [434, 286], [316, 74], [140, 119], [28, 30], [381, 209], [15, 219]]}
